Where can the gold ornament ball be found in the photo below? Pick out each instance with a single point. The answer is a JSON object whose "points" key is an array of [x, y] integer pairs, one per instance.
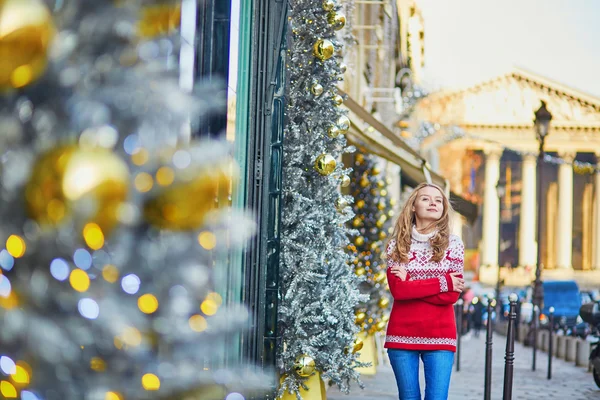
{"points": [[383, 193], [87, 184], [380, 206], [357, 345], [343, 68], [341, 203], [359, 158], [382, 235], [374, 245], [379, 277], [337, 20], [383, 302], [325, 164], [380, 184], [304, 366], [391, 213], [317, 89], [343, 123], [328, 5], [376, 170], [338, 100], [359, 241], [380, 223], [26, 32], [364, 182], [356, 222], [360, 317], [385, 318], [345, 181], [360, 203], [388, 181], [360, 271], [184, 206], [323, 49], [393, 202], [380, 326], [334, 132]]}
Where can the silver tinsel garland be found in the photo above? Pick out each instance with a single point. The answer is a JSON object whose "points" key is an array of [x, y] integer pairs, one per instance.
{"points": [[319, 287], [130, 311]]}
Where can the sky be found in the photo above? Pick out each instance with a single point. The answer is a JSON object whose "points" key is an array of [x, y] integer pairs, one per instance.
{"points": [[470, 41]]}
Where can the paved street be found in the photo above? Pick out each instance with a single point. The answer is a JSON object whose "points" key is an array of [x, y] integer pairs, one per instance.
{"points": [[568, 382]]}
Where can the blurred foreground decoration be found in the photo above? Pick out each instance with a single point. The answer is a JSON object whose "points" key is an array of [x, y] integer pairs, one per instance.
{"points": [[100, 298]]}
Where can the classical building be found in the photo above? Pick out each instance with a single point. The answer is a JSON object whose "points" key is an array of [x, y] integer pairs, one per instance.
{"points": [[499, 142]]}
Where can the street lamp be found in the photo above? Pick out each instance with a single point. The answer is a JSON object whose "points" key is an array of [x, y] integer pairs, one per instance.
{"points": [[500, 191], [542, 128]]}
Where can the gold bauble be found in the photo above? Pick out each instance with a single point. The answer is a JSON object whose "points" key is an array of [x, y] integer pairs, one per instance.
{"points": [[357, 345], [325, 164], [323, 49], [392, 202], [26, 30], [390, 213], [385, 318], [87, 184], [328, 5], [360, 317], [317, 89], [359, 241], [380, 184], [183, 206], [345, 181], [376, 170], [380, 326], [383, 302], [380, 205], [382, 235], [374, 245], [379, 277], [388, 181], [383, 193], [334, 132], [304, 366], [360, 203], [380, 223], [343, 123], [359, 158], [383, 218], [356, 222], [338, 100], [337, 20], [360, 271], [364, 182], [341, 203], [343, 68]]}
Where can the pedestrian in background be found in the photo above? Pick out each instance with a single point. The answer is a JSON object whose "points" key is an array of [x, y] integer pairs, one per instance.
{"points": [[425, 275]]}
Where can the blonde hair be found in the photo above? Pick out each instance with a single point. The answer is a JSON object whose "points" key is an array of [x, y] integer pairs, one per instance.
{"points": [[407, 218]]}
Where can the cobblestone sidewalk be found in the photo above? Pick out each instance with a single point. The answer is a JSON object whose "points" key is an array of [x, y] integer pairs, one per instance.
{"points": [[568, 381]]}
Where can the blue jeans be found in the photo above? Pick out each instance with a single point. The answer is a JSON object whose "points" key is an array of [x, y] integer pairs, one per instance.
{"points": [[438, 368]]}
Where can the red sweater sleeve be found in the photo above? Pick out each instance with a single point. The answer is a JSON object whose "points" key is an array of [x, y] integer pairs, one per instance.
{"points": [[455, 259], [408, 290]]}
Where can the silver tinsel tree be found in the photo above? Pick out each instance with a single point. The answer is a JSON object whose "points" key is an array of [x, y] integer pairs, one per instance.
{"points": [[108, 212], [319, 286]]}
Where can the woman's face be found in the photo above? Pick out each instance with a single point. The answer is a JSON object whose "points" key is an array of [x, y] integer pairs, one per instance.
{"points": [[429, 204]]}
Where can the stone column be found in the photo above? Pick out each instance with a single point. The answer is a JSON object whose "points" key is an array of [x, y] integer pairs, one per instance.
{"points": [[527, 227], [596, 224], [564, 229], [491, 208]]}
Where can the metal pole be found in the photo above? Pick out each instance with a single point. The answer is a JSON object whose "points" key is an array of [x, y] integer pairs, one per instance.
{"points": [[534, 321], [518, 321], [488, 353], [550, 343], [458, 332], [537, 284], [509, 358]]}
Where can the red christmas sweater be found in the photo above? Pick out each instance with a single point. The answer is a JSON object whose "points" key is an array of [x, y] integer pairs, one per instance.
{"points": [[422, 316]]}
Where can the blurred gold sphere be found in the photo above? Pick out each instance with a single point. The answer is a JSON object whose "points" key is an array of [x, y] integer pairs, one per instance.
{"points": [[328, 5], [338, 100], [380, 326], [364, 182], [341, 203], [376, 170], [317, 89], [334, 132], [381, 205], [385, 318], [304, 366], [380, 184], [360, 204], [26, 31], [393, 202], [379, 277], [325, 164], [337, 20], [359, 158], [360, 271], [183, 206], [357, 345], [345, 181], [356, 222], [383, 302], [88, 184], [360, 317], [323, 49], [359, 241], [343, 123]]}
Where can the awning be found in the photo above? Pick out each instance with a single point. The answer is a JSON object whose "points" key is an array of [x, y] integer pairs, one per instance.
{"points": [[414, 168]]}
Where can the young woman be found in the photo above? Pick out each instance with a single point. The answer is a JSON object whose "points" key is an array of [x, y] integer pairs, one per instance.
{"points": [[425, 267]]}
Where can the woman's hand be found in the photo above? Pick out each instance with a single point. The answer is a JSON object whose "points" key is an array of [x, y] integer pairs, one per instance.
{"points": [[458, 283], [399, 271]]}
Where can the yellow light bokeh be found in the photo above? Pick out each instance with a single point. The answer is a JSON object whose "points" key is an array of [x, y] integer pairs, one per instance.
{"points": [[131, 337], [148, 303], [9, 302], [79, 280], [16, 246], [207, 240], [150, 382], [110, 273], [55, 210], [165, 176], [8, 390], [209, 307], [97, 364], [143, 182], [198, 323], [140, 157], [21, 376], [112, 396], [93, 236]]}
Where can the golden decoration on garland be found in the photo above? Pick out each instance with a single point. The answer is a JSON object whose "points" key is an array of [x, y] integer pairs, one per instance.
{"points": [[380, 326], [359, 241], [382, 235], [343, 123], [393, 202], [341, 204], [304, 366], [328, 5], [323, 49], [345, 181], [338, 100], [379, 277], [360, 271], [66, 177], [343, 68], [364, 182], [376, 171], [27, 29], [325, 164], [384, 302], [360, 317], [359, 158], [356, 222], [337, 20], [183, 206], [317, 89], [334, 132], [360, 204], [159, 20], [357, 345]]}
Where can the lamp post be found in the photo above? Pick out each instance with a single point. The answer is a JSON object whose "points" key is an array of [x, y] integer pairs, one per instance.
{"points": [[542, 127], [500, 191]]}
